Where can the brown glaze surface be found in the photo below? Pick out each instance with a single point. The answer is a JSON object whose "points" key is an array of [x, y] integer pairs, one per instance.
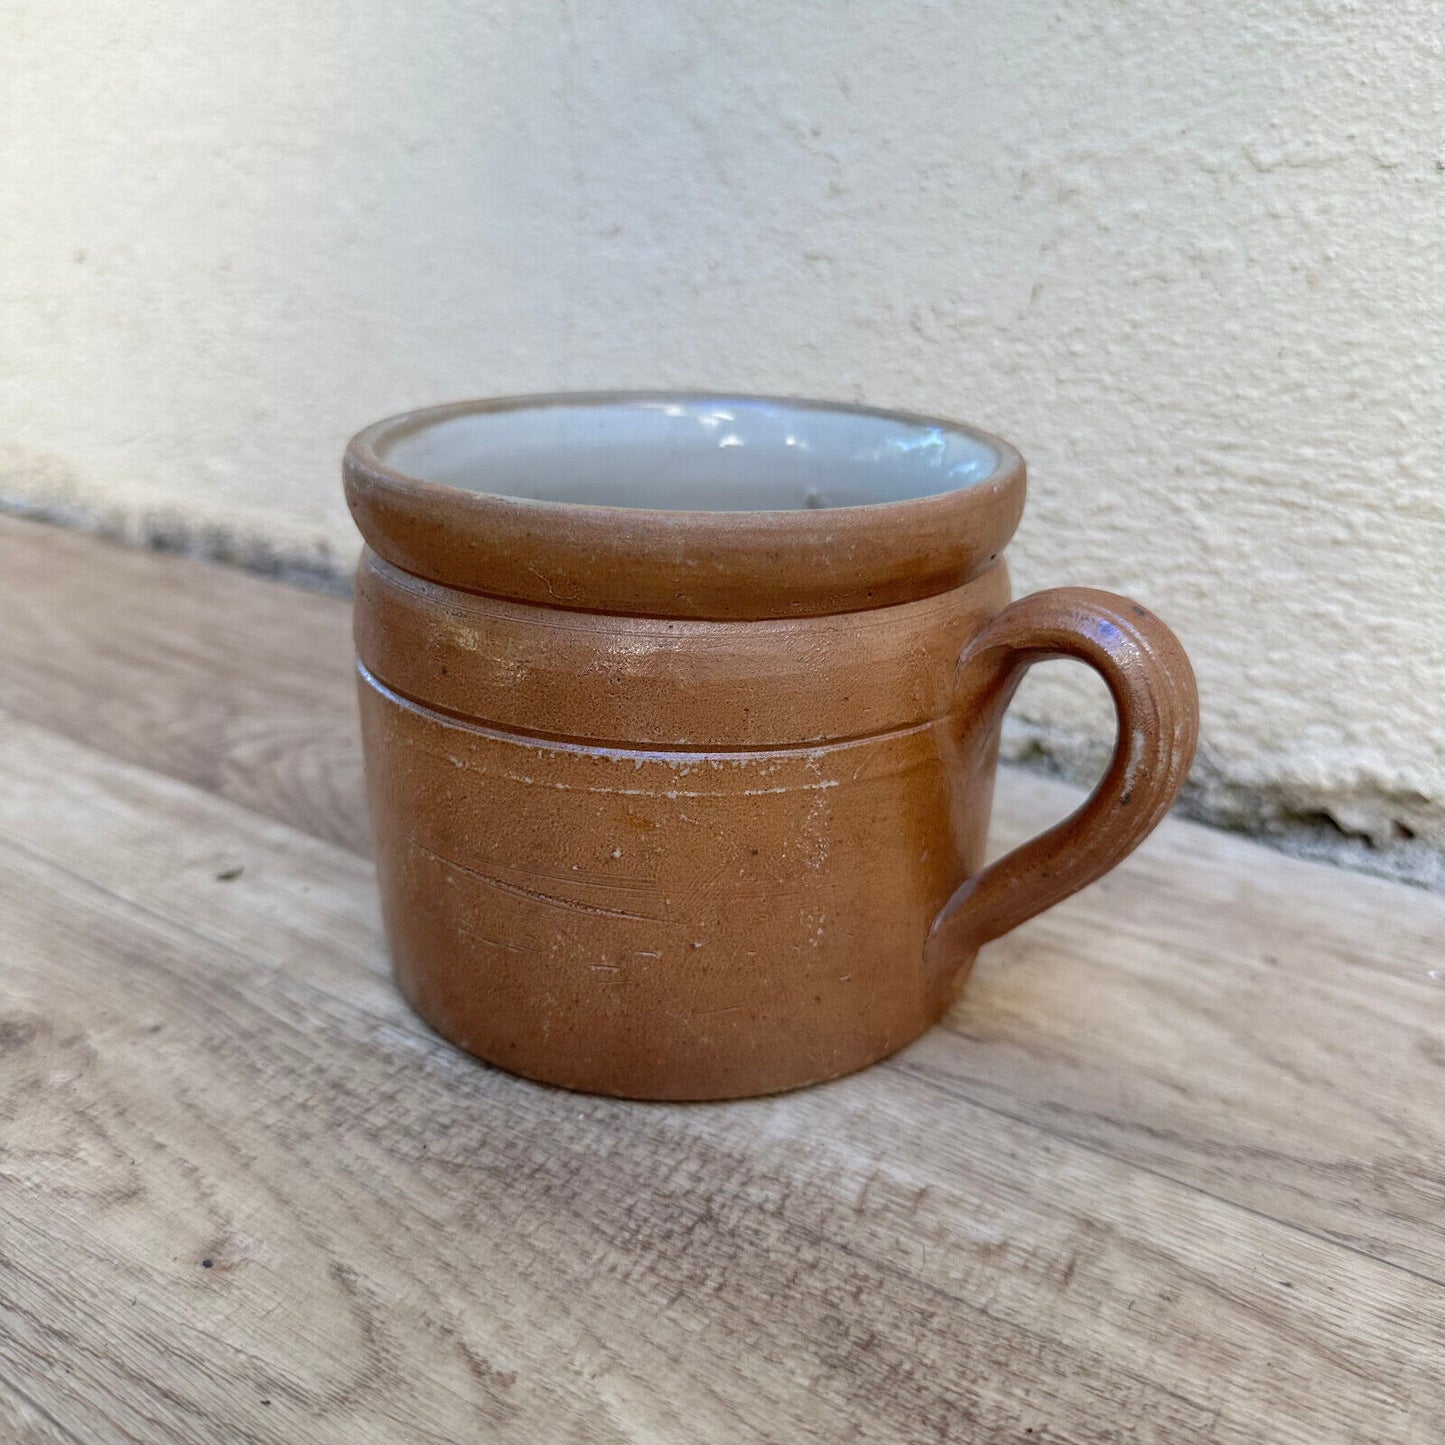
{"points": [[666, 680], [691, 804]]}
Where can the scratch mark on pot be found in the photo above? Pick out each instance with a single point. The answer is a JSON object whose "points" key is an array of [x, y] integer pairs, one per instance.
{"points": [[493, 942], [546, 582], [535, 895]]}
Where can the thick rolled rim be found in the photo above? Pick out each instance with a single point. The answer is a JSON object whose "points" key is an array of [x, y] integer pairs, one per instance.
{"points": [[649, 561]]}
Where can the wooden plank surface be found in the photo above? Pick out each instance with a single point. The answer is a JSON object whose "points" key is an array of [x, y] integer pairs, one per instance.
{"points": [[1171, 1170], [218, 1070], [239, 686]]}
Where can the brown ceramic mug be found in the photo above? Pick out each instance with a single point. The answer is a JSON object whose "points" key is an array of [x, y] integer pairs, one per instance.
{"points": [[681, 716]]}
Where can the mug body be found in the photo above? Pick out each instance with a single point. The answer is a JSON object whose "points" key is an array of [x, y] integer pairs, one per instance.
{"points": [[665, 771]]}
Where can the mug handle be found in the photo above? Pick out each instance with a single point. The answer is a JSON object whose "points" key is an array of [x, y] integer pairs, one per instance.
{"points": [[1158, 711]]}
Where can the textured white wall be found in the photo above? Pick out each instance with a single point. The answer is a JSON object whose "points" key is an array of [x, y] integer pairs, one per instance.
{"points": [[1188, 257]]}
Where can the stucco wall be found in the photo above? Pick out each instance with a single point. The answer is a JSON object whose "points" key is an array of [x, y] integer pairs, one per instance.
{"points": [[1188, 257]]}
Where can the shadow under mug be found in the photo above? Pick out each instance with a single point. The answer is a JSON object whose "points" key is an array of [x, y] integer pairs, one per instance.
{"points": [[681, 717]]}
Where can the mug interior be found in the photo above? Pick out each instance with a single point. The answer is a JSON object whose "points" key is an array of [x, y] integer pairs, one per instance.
{"points": [[691, 454]]}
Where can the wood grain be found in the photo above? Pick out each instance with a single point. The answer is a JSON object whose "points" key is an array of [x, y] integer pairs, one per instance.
{"points": [[1268, 1030], [1171, 1171], [239, 685], [237, 1170]]}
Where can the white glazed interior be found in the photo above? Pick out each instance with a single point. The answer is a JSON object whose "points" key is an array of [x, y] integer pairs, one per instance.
{"points": [[725, 454]]}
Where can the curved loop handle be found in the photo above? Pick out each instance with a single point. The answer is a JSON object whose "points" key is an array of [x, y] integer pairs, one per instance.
{"points": [[1158, 708]]}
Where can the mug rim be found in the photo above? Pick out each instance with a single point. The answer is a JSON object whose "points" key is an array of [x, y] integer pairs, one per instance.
{"points": [[749, 563]]}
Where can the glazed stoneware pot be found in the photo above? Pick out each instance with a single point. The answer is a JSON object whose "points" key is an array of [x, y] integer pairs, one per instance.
{"points": [[681, 716]]}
